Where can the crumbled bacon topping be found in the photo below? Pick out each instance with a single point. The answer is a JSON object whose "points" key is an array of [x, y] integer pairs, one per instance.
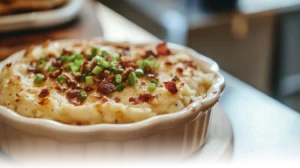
{"points": [[189, 63], [44, 93], [44, 101], [127, 62], [148, 53], [8, 65], [162, 49], [171, 86], [73, 96], [127, 72], [179, 70], [106, 87], [147, 97], [55, 73]]}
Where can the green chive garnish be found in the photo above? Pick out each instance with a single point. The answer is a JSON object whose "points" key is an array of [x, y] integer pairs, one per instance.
{"points": [[120, 87], [65, 58], [97, 70], [89, 80], [82, 95], [118, 79], [104, 53], [74, 68], [38, 78], [132, 79], [51, 69], [78, 62], [139, 72], [154, 81], [101, 62], [95, 51], [119, 71], [151, 87], [61, 79], [115, 57]]}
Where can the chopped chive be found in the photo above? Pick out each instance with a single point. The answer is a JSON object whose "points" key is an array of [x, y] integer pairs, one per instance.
{"points": [[139, 63], [104, 53], [115, 57], [120, 87], [151, 87], [101, 62], [82, 95], [65, 58], [78, 57], [90, 57], [139, 72], [78, 62], [97, 70], [38, 78], [154, 81], [86, 72], [96, 51], [132, 79], [51, 69], [89, 80], [119, 71], [155, 65], [118, 79], [61, 79], [41, 63], [74, 68]]}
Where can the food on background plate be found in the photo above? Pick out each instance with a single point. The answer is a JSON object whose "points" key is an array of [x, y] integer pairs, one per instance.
{"points": [[90, 82], [23, 6]]}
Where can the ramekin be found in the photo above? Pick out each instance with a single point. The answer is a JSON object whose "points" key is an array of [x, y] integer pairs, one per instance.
{"points": [[170, 136]]}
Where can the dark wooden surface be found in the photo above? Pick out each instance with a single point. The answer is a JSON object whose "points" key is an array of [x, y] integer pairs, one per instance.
{"points": [[86, 25]]}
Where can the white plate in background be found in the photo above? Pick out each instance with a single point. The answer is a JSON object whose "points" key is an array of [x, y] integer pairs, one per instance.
{"points": [[41, 19]]}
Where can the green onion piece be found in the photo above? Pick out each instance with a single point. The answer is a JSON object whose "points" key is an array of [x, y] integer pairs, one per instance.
{"points": [[118, 79], [139, 72], [38, 78], [51, 69], [78, 57], [155, 65], [132, 79], [78, 62], [101, 62], [96, 51], [90, 57], [65, 58], [139, 63], [151, 87], [115, 57], [120, 87], [82, 95], [61, 79], [119, 71], [41, 63], [151, 57], [97, 70], [104, 53], [89, 80], [74, 68], [86, 72], [154, 81]]}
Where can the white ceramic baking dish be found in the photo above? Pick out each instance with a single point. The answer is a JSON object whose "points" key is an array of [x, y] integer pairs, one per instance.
{"points": [[170, 136]]}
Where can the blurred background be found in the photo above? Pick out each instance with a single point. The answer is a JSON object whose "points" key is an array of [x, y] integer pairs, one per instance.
{"points": [[258, 41]]}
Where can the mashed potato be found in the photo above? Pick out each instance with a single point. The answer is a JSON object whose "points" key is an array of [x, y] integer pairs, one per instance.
{"points": [[91, 83]]}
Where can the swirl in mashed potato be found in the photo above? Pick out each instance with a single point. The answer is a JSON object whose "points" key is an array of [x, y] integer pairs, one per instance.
{"points": [[95, 82]]}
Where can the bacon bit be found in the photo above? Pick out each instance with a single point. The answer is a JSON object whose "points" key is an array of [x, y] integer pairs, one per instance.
{"points": [[29, 50], [107, 58], [151, 71], [73, 96], [70, 82], [171, 86], [116, 99], [17, 94], [46, 43], [189, 63], [8, 65], [106, 87], [52, 55], [57, 63], [179, 70], [17, 100], [168, 63], [105, 75], [84, 54], [162, 49], [126, 73], [44, 101], [181, 84], [66, 52], [127, 62], [147, 97], [32, 67], [55, 74], [104, 99], [148, 53], [18, 77], [44, 93], [60, 89]]}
